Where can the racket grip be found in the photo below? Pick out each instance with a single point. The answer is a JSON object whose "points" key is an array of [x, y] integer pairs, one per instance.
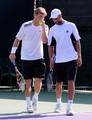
{"points": [[13, 62]]}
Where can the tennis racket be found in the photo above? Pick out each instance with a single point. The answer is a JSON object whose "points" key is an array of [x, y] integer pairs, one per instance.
{"points": [[50, 81], [19, 77]]}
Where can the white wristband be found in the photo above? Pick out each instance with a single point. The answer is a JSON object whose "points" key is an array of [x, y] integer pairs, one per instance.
{"points": [[13, 50]]}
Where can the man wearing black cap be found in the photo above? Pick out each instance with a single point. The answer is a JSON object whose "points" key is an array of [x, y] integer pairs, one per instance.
{"points": [[67, 58]]}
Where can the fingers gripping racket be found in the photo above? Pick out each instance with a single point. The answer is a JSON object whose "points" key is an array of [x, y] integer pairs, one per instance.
{"points": [[50, 80], [19, 77]]}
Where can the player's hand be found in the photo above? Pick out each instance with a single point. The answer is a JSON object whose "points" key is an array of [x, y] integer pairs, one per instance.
{"points": [[51, 63], [41, 23], [12, 56], [79, 61]]}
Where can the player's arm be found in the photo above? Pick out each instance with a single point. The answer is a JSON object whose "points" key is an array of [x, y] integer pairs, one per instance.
{"points": [[45, 31], [19, 37], [51, 52], [51, 56], [77, 44], [78, 48], [13, 50]]}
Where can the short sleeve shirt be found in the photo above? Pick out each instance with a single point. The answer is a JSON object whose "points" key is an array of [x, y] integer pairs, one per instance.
{"points": [[64, 48], [32, 45]]}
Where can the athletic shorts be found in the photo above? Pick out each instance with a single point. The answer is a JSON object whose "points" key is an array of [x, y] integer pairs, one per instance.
{"points": [[65, 71], [33, 68]]}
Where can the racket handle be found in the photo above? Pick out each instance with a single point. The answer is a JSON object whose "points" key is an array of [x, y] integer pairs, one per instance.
{"points": [[13, 62]]}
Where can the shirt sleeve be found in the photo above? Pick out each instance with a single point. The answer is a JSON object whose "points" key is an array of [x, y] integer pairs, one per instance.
{"points": [[50, 37], [20, 34], [75, 32]]}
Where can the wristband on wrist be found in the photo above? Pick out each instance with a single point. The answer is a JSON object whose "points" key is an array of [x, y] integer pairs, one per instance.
{"points": [[13, 50]]}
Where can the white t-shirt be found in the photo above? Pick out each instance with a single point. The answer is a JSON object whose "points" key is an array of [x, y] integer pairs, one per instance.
{"points": [[32, 45], [64, 48]]}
